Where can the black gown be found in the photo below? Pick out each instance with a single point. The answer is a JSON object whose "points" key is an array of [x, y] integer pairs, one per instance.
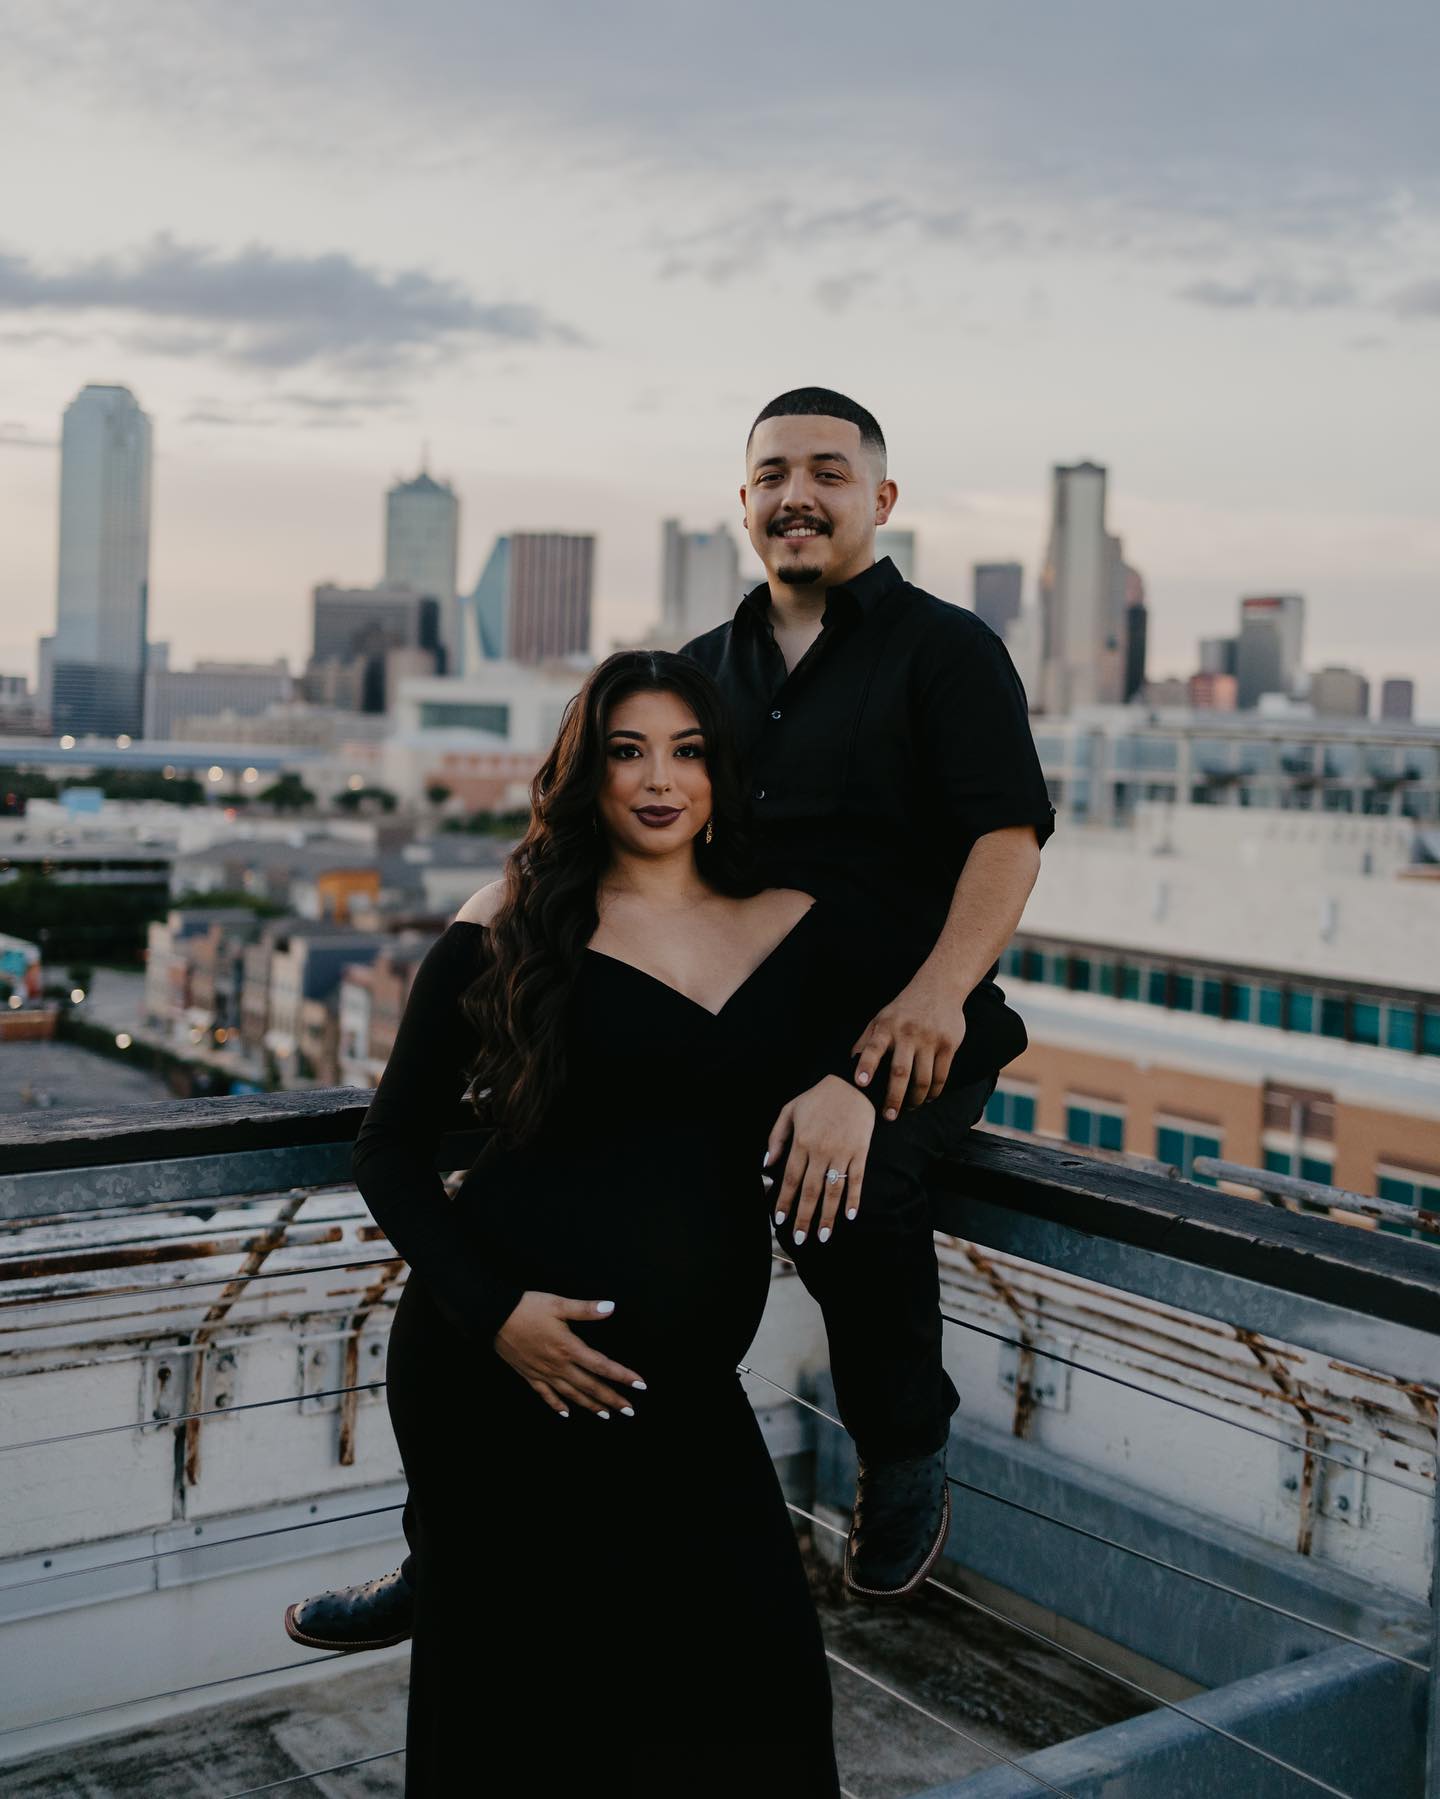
{"points": [[612, 1604]]}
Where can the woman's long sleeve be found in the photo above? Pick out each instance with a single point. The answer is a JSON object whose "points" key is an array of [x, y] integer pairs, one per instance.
{"points": [[417, 1102]]}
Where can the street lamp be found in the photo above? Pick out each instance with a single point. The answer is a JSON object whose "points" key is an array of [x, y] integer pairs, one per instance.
{"points": [[67, 742], [122, 1039], [216, 772]]}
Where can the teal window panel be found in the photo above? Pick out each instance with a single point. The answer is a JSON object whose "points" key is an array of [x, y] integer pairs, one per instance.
{"points": [[1313, 1169], [1332, 1016], [1111, 1130], [1242, 1003], [1400, 1027], [1365, 1022], [1279, 1161], [1390, 1186], [1182, 990], [1430, 1035], [1023, 1111], [1170, 1145], [1156, 986], [1203, 1146], [1129, 982], [1300, 1012], [1107, 974], [1079, 1126], [1212, 997], [995, 1109], [1272, 1007], [1080, 974], [1034, 965]]}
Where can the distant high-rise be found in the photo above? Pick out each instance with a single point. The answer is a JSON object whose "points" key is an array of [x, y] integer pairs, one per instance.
{"points": [[899, 546], [996, 594], [532, 601], [1397, 698], [1340, 693], [1137, 626], [1217, 655], [1270, 646], [699, 582], [1082, 597], [422, 534], [358, 632], [103, 593]]}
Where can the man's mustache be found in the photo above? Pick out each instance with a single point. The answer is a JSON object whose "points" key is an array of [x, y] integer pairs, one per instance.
{"points": [[778, 527]]}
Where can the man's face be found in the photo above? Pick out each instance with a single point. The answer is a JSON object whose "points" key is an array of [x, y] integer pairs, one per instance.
{"points": [[813, 495]]}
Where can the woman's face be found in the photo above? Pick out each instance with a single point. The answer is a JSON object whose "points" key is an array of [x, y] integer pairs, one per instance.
{"points": [[656, 793]]}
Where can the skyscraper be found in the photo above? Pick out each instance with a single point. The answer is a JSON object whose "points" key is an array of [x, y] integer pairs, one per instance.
{"points": [[996, 594], [422, 533], [1397, 698], [1269, 649], [899, 546], [1340, 693], [699, 582], [1217, 655], [1137, 625], [364, 636], [103, 591], [532, 601], [1082, 597]]}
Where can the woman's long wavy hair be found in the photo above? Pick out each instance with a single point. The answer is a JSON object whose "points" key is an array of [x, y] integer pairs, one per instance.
{"points": [[519, 1003]]}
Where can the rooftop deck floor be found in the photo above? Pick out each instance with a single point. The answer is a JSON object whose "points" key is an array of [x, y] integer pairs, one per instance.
{"points": [[992, 1683]]}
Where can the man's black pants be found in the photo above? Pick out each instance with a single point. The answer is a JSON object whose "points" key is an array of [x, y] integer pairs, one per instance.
{"points": [[877, 1282]]}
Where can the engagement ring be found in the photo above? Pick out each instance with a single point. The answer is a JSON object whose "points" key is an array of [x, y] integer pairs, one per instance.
{"points": [[832, 1175]]}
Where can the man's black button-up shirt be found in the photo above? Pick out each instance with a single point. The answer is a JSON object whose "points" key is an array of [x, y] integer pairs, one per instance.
{"points": [[899, 738]]}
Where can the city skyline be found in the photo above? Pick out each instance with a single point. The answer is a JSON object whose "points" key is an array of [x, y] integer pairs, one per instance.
{"points": [[340, 261]]}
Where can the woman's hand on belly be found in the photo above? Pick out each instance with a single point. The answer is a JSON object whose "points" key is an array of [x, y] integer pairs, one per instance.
{"points": [[538, 1343]]}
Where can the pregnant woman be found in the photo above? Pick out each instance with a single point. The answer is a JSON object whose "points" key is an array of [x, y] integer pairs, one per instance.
{"points": [[608, 1590]]}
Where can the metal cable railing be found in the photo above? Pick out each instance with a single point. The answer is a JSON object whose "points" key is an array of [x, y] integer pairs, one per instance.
{"points": [[1053, 1643], [1184, 1405], [360, 1761], [221, 1411], [268, 1274]]}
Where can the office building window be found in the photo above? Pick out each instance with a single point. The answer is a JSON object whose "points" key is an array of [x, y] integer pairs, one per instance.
{"points": [[1400, 1027], [1179, 1142], [1012, 961], [1407, 1187], [1332, 1016], [1129, 981], [1182, 992], [1212, 994], [1300, 1012], [1365, 1022], [1242, 1002], [1013, 1107], [1095, 1124], [1272, 1007], [1032, 965], [1107, 972], [1080, 975], [1156, 987], [1430, 1035], [1308, 1168]]}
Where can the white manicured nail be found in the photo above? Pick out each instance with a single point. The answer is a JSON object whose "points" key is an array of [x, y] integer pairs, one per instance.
{"points": [[851, 1212], [765, 1159], [863, 1079], [602, 1414], [628, 1410], [605, 1305], [824, 1232], [639, 1386], [799, 1237], [779, 1218], [562, 1414], [766, 1182]]}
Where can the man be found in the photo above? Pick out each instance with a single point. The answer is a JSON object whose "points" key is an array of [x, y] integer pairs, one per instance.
{"points": [[892, 774]]}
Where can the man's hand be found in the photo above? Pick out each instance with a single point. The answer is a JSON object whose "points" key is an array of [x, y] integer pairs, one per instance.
{"points": [[828, 1127], [538, 1343], [921, 1029]]}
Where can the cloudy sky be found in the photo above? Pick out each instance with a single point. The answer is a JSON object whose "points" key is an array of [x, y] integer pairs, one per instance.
{"points": [[574, 248]]}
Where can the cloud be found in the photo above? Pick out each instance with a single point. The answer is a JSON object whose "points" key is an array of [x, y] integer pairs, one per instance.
{"points": [[837, 292], [15, 436], [1420, 300], [268, 310], [1284, 292]]}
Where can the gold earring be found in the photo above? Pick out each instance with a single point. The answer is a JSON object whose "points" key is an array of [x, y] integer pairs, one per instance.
{"points": [[709, 830]]}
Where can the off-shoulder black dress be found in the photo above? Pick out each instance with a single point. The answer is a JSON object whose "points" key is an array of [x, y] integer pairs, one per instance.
{"points": [[606, 1605]]}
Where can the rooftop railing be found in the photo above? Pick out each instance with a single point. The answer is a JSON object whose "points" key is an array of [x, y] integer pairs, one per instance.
{"points": [[1320, 1685]]}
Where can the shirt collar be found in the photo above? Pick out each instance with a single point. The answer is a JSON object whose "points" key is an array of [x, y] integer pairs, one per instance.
{"points": [[859, 596]]}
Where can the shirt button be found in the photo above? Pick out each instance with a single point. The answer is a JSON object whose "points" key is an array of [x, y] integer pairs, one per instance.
{"points": [[774, 715]]}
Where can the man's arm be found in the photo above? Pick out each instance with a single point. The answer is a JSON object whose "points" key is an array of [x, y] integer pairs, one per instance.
{"points": [[924, 1025]]}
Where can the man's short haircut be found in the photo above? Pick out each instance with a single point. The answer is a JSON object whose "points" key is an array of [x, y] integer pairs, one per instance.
{"points": [[824, 402]]}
